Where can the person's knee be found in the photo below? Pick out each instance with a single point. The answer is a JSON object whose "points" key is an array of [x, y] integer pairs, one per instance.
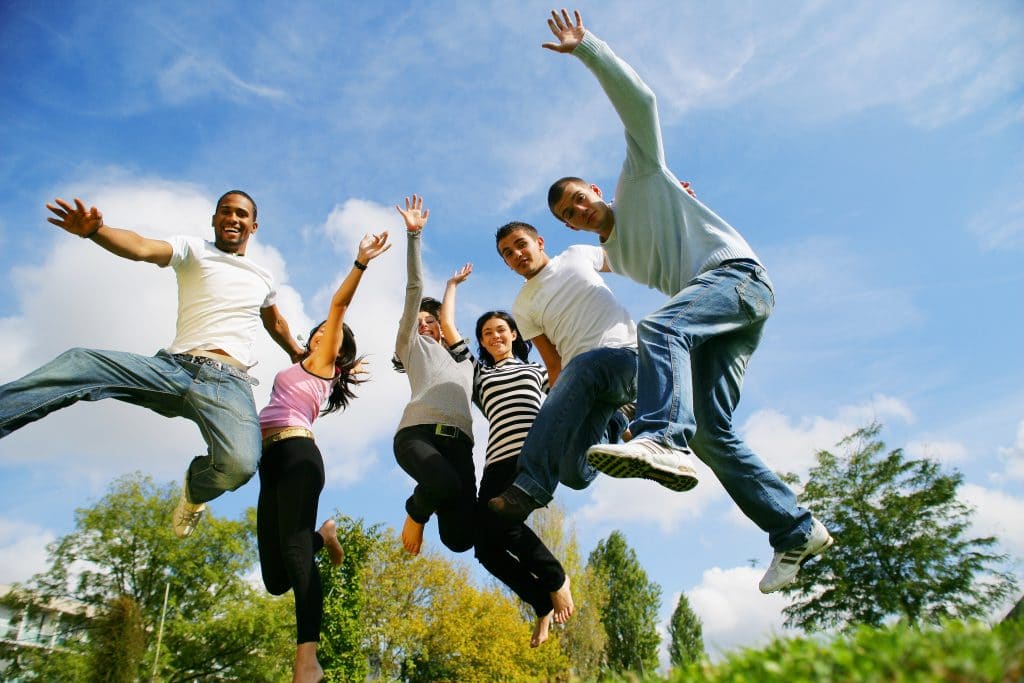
{"points": [[275, 583]]}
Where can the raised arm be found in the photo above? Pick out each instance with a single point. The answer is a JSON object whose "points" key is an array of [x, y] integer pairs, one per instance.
{"points": [[549, 354], [88, 224], [448, 329], [321, 359], [415, 217], [633, 100]]}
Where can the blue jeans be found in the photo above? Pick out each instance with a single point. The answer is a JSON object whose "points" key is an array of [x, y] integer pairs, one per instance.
{"points": [[575, 416], [220, 404], [693, 353]]}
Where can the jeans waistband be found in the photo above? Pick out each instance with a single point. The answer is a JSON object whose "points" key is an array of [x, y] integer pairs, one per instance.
{"points": [[216, 365], [736, 261]]}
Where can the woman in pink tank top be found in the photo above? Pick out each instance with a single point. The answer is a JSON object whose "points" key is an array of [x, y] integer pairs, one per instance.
{"points": [[292, 469]]}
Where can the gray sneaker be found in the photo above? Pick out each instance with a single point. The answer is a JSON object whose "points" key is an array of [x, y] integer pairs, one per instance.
{"points": [[786, 565], [186, 514], [645, 459]]}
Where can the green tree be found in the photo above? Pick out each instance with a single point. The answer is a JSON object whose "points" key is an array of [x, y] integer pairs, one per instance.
{"points": [[118, 642], [901, 543], [582, 640], [123, 551], [685, 633], [343, 636], [630, 617]]}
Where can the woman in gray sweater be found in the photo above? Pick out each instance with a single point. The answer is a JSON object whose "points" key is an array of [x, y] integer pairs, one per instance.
{"points": [[434, 442]]}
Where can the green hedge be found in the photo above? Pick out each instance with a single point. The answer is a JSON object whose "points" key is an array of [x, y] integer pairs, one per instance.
{"points": [[959, 652]]}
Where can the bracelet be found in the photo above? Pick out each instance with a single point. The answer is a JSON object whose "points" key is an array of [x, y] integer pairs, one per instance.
{"points": [[91, 234], [357, 264]]}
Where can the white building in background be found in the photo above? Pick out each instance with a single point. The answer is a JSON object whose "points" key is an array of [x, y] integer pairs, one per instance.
{"points": [[45, 628]]}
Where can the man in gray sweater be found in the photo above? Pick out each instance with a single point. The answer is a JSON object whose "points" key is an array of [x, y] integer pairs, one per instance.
{"points": [[694, 350]]}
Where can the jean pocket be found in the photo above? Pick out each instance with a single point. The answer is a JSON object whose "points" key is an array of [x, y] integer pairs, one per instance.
{"points": [[755, 297]]}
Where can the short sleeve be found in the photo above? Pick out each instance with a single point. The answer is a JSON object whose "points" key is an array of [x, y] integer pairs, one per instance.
{"points": [[271, 298], [181, 248]]}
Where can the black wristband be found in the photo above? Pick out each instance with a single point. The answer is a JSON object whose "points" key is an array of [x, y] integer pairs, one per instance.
{"points": [[359, 265], [91, 234]]}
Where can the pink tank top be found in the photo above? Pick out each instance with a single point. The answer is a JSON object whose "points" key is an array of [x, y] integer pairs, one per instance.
{"points": [[296, 398]]}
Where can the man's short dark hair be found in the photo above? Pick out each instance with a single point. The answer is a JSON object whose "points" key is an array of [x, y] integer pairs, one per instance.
{"points": [[241, 194], [429, 304], [509, 228], [557, 189]]}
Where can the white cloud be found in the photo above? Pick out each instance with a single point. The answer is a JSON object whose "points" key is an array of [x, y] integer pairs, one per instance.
{"points": [[624, 501], [734, 612], [999, 226], [192, 76], [998, 514], [946, 452], [22, 550], [1013, 455], [789, 445]]}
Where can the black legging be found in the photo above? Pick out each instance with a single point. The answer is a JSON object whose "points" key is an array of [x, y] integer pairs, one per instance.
{"points": [[512, 552], [291, 478], [445, 482]]}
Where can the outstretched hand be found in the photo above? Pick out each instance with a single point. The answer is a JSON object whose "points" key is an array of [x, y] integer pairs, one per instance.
{"points": [[569, 36], [461, 275], [76, 219], [415, 215], [372, 246]]}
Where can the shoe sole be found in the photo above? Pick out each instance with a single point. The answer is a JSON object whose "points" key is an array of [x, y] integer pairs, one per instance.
{"points": [[623, 467]]}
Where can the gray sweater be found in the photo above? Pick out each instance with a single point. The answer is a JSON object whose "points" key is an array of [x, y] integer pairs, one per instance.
{"points": [[663, 237], [441, 386]]}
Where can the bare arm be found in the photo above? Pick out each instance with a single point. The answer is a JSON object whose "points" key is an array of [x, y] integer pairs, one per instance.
{"points": [[448, 330], [321, 359], [88, 223], [549, 354], [277, 326]]}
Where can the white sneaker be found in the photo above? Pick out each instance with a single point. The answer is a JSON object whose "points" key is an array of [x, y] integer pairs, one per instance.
{"points": [[186, 514], [647, 459], [786, 565]]}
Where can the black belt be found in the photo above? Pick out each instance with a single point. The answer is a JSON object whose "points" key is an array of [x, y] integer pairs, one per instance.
{"points": [[216, 365]]}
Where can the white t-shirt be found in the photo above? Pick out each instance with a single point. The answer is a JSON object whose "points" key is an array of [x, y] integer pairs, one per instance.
{"points": [[219, 299], [568, 302]]}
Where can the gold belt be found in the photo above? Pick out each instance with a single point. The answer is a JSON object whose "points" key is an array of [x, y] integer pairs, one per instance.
{"points": [[287, 433]]}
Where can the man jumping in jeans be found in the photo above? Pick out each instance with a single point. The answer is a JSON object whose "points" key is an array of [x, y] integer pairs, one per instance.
{"points": [[588, 344], [694, 350], [222, 297]]}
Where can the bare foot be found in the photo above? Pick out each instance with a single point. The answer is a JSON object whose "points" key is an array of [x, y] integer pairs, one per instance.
{"points": [[329, 531], [307, 668], [540, 630], [412, 535], [626, 435], [561, 599]]}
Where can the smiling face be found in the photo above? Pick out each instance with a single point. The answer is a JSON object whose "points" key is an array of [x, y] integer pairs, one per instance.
{"points": [[496, 337], [233, 223], [523, 252], [582, 208], [428, 326]]}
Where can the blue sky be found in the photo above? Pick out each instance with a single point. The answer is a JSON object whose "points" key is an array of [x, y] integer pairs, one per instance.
{"points": [[872, 154]]}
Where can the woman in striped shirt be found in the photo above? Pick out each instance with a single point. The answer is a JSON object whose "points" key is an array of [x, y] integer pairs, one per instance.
{"points": [[509, 389]]}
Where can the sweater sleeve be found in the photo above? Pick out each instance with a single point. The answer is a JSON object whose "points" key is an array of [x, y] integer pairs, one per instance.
{"points": [[633, 100], [407, 326]]}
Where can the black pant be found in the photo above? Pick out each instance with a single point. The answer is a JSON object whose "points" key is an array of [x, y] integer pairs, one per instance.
{"points": [[511, 552], [445, 482], [291, 478]]}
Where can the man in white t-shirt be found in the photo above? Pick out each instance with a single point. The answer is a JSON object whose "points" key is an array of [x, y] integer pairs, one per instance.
{"points": [[222, 299], [588, 343]]}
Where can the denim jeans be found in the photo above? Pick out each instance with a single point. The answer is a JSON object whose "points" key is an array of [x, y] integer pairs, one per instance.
{"points": [[693, 353], [574, 417], [220, 404]]}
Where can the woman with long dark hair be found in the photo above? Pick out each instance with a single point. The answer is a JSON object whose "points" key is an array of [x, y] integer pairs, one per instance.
{"points": [[509, 389], [292, 469]]}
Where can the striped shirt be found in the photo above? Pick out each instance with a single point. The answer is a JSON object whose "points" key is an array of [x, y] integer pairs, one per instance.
{"points": [[509, 394]]}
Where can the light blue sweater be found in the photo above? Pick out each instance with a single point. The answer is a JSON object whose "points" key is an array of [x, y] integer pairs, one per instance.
{"points": [[662, 237]]}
